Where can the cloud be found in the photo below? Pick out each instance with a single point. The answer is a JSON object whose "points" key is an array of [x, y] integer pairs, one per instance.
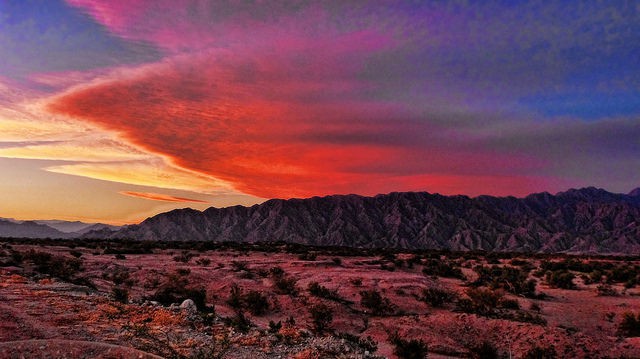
{"points": [[274, 128], [153, 172], [84, 150], [281, 100], [160, 197], [53, 36]]}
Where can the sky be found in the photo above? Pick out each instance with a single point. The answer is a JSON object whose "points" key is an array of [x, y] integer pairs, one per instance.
{"points": [[116, 110]]}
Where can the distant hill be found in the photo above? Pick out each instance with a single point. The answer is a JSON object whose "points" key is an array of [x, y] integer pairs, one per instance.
{"points": [[65, 226], [588, 220], [49, 228], [28, 229]]}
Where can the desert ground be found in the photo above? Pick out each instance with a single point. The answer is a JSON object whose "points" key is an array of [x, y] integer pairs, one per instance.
{"points": [[120, 299]]}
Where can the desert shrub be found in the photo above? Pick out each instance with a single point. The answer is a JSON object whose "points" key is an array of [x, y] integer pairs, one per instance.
{"points": [[374, 301], [631, 283], [441, 268], [152, 282], [408, 348], [286, 285], [120, 295], [509, 304], [75, 253], [521, 263], [262, 272], [239, 322], [255, 302], [523, 317], [388, 266], [307, 256], [484, 350], [235, 297], [511, 279], [291, 321], [535, 307], [561, 279], [238, 266], [606, 290], [121, 276], [177, 289], [481, 301], [541, 353], [436, 297], [276, 271], [593, 277], [321, 317], [16, 257], [630, 325], [56, 266], [623, 274], [323, 292], [274, 327], [183, 271], [203, 262], [120, 256], [184, 257], [356, 281], [569, 264]]}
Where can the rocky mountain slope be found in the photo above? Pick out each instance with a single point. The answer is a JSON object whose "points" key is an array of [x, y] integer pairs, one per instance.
{"points": [[587, 220]]}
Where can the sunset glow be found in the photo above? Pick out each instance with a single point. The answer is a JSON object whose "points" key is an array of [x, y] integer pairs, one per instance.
{"points": [[150, 105]]}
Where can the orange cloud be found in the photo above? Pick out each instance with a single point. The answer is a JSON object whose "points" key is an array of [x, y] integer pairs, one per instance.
{"points": [[160, 197]]}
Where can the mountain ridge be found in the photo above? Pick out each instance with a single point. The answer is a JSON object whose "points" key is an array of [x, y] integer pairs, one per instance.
{"points": [[586, 220], [10, 227]]}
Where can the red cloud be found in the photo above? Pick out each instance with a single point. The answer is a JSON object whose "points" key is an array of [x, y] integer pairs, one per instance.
{"points": [[283, 110], [160, 197], [274, 128]]}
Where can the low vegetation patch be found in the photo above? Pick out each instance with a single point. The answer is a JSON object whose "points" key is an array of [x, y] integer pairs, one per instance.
{"points": [[408, 348], [376, 303]]}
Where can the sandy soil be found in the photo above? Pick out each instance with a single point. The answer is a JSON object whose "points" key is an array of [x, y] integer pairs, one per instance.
{"points": [[580, 324]]}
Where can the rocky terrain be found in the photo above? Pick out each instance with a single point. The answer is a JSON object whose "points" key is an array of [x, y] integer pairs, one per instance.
{"points": [[587, 220], [82, 299]]}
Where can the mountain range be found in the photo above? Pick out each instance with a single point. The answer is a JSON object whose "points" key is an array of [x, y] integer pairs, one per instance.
{"points": [[49, 228], [587, 220]]}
